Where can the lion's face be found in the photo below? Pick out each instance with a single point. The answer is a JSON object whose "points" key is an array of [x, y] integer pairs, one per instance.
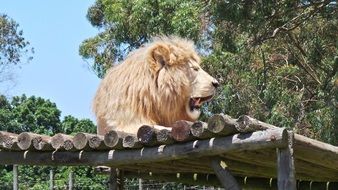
{"points": [[203, 88], [183, 86]]}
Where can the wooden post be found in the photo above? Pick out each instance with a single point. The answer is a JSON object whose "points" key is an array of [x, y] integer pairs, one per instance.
{"points": [[51, 179], [70, 181], [15, 177], [223, 174], [112, 183], [286, 166], [140, 187]]}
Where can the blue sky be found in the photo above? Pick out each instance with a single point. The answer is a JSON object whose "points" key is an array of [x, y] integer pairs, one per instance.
{"points": [[55, 29]]}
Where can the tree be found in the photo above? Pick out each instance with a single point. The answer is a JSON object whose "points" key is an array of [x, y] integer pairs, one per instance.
{"points": [[33, 114], [13, 47], [275, 59]]}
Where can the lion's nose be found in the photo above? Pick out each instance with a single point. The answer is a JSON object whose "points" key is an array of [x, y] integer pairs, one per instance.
{"points": [[215, 83]]}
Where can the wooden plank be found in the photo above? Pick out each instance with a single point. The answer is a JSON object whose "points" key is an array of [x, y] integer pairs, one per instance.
{"points": [[112, 183], [286, 166]]}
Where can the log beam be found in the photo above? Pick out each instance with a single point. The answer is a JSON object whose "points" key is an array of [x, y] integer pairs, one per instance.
{"points": [[286, 166]]}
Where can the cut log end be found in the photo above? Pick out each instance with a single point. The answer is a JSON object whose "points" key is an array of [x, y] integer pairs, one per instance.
{"points": [[181, 130], [96, 142], [111, 138], [25, 140], [68, 145], [216, 123], [42, 143], [58, 140], [131, 141], [164, 137], [81, 140], [198, 128], [146, 134]]}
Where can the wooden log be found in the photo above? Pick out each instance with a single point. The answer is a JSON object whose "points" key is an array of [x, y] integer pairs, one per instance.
{"points": [[200, 130], [9, 141], [4, 135], [25, 140], [42, 143], [58, 140], [199, 148], [131, 141], [146, 135], [69, 145], [225, 177], [286, 166], [97, 142], [164, 137], [81, 141], [249, 124], [114, 139], [222, 125], [181, 131]]}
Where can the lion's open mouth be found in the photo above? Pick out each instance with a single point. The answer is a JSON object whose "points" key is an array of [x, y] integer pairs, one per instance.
{"points": [[196, 102]]}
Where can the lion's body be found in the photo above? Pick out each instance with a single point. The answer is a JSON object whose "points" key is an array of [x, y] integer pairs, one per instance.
{"points": [[152, 86]]}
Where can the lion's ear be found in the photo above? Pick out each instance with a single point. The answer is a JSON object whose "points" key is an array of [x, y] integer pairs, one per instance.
{"points": [[158, 57]]}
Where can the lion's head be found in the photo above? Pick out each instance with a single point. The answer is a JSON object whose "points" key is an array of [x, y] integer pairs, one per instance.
{"points": [[159, 83]]}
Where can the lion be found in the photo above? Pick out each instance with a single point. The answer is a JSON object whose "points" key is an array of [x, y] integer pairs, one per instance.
{"points": [[157, 84]]}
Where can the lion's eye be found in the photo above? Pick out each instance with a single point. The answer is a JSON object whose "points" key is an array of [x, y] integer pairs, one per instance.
{"points": [[195, 68]]}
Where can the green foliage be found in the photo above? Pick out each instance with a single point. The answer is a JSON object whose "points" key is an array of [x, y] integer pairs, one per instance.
{"points": [[274, 59], [38, 115]]}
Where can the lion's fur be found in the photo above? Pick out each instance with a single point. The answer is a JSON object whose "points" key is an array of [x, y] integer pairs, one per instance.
{"points": [[152, 86]]}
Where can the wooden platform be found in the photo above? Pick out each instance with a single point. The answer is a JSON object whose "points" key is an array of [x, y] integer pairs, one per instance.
{"points": [[248, 148]]}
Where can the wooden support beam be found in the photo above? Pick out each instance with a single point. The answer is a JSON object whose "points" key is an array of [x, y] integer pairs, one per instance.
{"points": [[286, 166], [227, 180], [70, 180], [51, 179], [15, 177], [146, 134]]}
